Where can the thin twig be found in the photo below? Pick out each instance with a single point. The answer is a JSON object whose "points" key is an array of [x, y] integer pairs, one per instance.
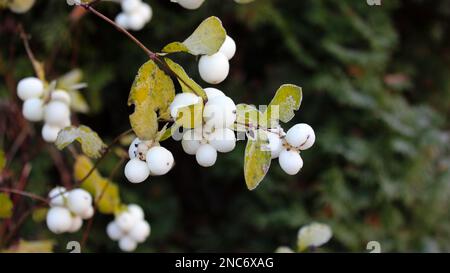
{"points": [[24, 193]]}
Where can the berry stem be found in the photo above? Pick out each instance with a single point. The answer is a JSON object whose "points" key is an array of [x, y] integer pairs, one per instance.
{"points": [[24, 193]]}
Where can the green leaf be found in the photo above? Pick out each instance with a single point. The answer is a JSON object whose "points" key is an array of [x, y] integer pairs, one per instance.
{"points": [[152, 91], [187, 84], [105, 192], [39, 215], [91, 144], [6, 206], [246, 115], [2, 160], [205, 40], [257, 159], [287, 99]]}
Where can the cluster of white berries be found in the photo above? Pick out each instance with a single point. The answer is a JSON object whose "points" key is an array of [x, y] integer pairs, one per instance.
{"points": [[214, 69], [68, 209], [55, 110], [213, 134], [147, 159], [189, 4], [129, 228], [287, 146], [135, 14]]}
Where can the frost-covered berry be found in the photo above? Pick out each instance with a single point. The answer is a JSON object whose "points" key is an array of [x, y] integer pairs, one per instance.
{"points": [[219, 112], [114, 232], [223, 140], [182, 100], [140, 231], [30, 87], [122, 20], [57, 114], [50, 133], [290, 161], [301, 136], [206, 155], [275, 144], [213, 69], [57, 196], [133, 149], [127, 244], [191, 141], [159, 160], [228, 47], [79, 201], [136, 171], [76, 224], [126, 221], [88, 213], [130, 5], [136, 211], [189, 4], [33, 109], [61, 95], [58, 220], [212, 92]]}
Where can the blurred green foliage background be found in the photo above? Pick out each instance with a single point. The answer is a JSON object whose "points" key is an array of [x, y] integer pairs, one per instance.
{"points": [[376, 89]]}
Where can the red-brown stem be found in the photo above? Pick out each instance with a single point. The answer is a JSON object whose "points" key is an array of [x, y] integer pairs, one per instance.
{"points": [[24, 193]]}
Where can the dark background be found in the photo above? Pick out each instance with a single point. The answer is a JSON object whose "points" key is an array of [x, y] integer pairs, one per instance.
{"points": [[375, 88]]}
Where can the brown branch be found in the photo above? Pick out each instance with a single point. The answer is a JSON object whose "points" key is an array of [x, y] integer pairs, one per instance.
{"points": [[24, 193], [38, 68]]}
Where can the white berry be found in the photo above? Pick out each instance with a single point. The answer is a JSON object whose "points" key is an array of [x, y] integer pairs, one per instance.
{"points": [[88, 213], [159, 160], [130, 5], [30, 87], [136, 211], [223, 140], [136, 171], [57, 196], [206, 155], [301, 136], [58, 220], [212, 92], [228, 47], [290, 161], [79, 201], [113, 231], [33, 109], [140, 231], [213, 69], [275, 144], [191, 141], [62, 96], [57, 114], [76, 224], [182, 100], [122, 20], [146, 11], [219, 112], [133, 149], [189, 4], [135, 21], [126, 221], [50, 133], [127, 244]]}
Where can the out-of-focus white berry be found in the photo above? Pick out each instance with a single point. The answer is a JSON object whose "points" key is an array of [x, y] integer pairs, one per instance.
{"points": [[130, 5], [126, 220], [127, 244], [76, 224], [219, 112], [62, 96], [29, 88], [114, 232], [191, 141], [20, 6], [159, 160], [212, 92], [213, 69], [57, 113], [79, 201], [57, 196], [290, 161], [313, 235], [88, 213], [140, 231], [189, 4], [135, 21], [182, 100], [206, 155], [33, 109], [136, 211], [136, 171], [122, 20], [146, 12], [223, 140], [58, 220], [228, 47], [275, 144], [301, 136], [50, 133]]}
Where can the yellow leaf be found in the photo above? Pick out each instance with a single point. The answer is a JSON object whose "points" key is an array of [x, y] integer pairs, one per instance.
{"points": [[187, 84], [6, 206], [44, 246], [257, 159]]}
